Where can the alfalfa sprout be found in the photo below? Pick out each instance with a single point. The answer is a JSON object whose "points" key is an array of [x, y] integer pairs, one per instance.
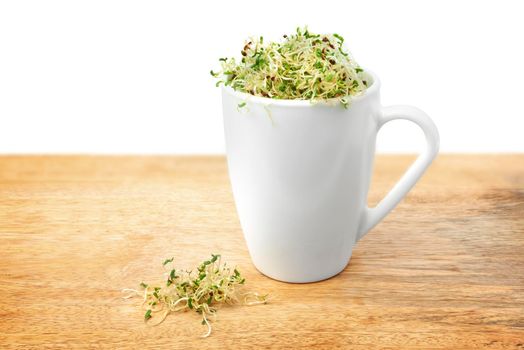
{"points": [[303, 66], [202, 290]]}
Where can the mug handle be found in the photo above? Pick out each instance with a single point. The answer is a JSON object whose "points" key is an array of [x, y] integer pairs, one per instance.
{"points": [[372, 216]]}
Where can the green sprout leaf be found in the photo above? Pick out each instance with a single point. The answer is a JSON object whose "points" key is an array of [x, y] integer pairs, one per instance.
{"points": [[167, 261], [340, 38], [147, 315]]}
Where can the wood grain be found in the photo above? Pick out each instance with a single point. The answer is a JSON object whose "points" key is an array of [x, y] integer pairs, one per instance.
{"points": [[445, 270]]}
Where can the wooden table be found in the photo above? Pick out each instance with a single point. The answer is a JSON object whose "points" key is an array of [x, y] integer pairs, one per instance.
{"points": [[444, 270]]}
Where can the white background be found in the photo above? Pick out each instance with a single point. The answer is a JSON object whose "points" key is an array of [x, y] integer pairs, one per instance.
{"points": [[133, 76]]}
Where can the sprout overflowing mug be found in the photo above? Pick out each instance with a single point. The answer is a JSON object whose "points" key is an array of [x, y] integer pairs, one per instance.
{"points": [[300, 174]]}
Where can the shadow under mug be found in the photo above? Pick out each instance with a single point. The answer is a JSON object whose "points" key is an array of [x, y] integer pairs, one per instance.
{"points": [[300, 174]]}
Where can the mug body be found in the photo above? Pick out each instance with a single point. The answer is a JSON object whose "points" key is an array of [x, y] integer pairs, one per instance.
{"points": [[300, 174]]}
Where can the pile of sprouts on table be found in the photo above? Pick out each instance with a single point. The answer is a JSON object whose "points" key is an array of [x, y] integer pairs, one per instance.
{"points": [[212, 283]]}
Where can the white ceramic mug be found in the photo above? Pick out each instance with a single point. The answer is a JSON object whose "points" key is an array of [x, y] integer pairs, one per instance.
{"points": [[300, 174]]}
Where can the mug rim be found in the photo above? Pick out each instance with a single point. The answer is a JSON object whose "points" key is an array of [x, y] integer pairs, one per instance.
{"points": [[303, 103]]}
